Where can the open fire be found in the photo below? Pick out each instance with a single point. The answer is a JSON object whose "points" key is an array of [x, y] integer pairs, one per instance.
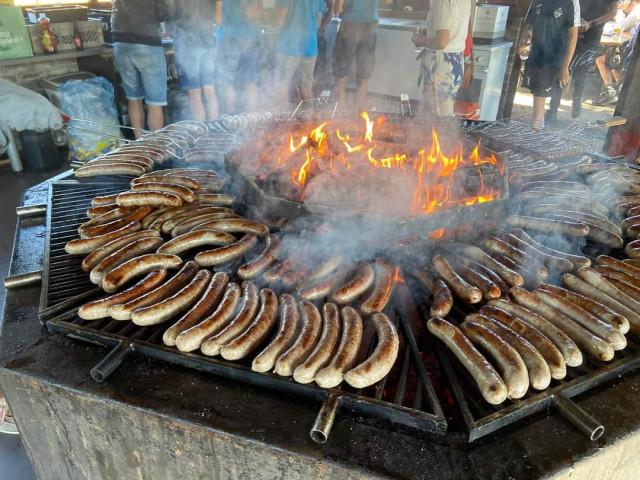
{"points": [[360, 166]]}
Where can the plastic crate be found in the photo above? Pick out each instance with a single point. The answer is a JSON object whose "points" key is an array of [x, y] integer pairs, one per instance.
{"points": [[64, 36], [91, 33]]}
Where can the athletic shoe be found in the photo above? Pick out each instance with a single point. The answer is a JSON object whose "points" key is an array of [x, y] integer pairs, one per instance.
{"points": [[608, 97], [576, 108]]}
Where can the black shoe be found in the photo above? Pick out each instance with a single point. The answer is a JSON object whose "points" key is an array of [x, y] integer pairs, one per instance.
{"points": [[576, 108], [551, 118]]}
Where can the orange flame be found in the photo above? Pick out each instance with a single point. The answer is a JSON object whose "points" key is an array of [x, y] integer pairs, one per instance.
{"points": [[436, 234], [368, 136], [397, 276]]}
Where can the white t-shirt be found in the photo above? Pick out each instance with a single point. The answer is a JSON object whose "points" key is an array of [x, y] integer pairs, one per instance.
{"points": [[452, 15]]}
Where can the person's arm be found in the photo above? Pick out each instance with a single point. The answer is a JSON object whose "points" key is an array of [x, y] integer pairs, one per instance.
{"points": [[218, 18], [439, 41], [255, 12], [282, 9], [443, 19], [338, 7], [568, 55], [328, 14], [526, 35], [606, 17]]}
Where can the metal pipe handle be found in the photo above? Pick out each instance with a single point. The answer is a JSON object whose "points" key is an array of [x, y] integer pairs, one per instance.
{"points": [[324, 421], [112, 361], [580, 419], [23, 280], [26, 211]]}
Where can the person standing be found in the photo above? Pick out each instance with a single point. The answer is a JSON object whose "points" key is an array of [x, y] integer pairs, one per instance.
{"points": [[238, 43], [194, 46], [297, 46], [356, 40], [139, 56], [552, 27], [594, 13], [321, 71], [445, 41]]}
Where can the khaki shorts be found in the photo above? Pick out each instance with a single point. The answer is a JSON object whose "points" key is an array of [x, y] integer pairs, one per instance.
{"points": [[302, 68]]}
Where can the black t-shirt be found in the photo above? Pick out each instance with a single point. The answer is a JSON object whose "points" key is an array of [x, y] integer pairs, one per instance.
{"points": [[590, 10], [551, 21], [195, 19]]}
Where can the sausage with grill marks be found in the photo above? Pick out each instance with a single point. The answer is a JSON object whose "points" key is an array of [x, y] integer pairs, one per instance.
{"points": [[257, 332], [182, 180], [185, 194], [149, 219], [279, 270], [129, 251], [596, 233], [304, 344], [286, 335], [461, 288], [537, 368], [243, 318], [100, 308], [489, 289], [382, 288], [236, 225], [202, 309], [593, 278], [570, 351], [114, 213], [148, 197], [115, 168], [188, 224], [326, 347], [197, 239], [576, 260], [590, 219], [183, 211], [169, 225], [363, 278], [192, 338], [221, 199], [95, 257], [104, 200], [94, 212], [175, 304], [442, 301], [622, 276], [574, 229], [138, 266], [88, 245], [255, 267], [623, 286], [322, 287], [325, 268], [227, 253], [490, 274], [556, 263], [490, 384], [97, 230], [512, 277], [498, 246], [552, 356]]}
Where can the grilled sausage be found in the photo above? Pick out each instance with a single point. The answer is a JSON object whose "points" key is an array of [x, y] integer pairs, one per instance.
{"points": [[589, 342], [257, 332], [596, 233], [576, 260], [185, 194], [632, 280], [216, 199], [114, 213], [225, 254], [286, 335], [623, 286], [115, 168], [538, 370], [149, 219], [491, 386], [236, 225], [191, 222], [593, 278], [279, 270], [574, 229], [104, 200], [175, 304], [442, 301], [322, 287], [382, 288], [565, 186], [583, 318], [124, 310], [95, 257], [511, 277], [94, 212], [202, 309], [551, 261], [490, 274], [147, 197], [304, 344], [363, 278], [503, 248], [98, 230], [617, 321], [259, 264], [328, 266], [568, 348], [332, 375], [552, 356], [184, 212], [192, 338], [181, 180], [591, 219], [291, 279], [462, 289], [138, 266], [243, 318], [111, 159], [326, 347], [542, 208], [88, 245], [633, 249], [129, 251], [100, 308], [189, 214], [489, 289], [192, 240]]}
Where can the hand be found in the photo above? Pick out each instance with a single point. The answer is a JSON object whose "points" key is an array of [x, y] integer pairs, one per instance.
{"points": [[564, 77], [467, 77], [419, 40], [253, 13], [584, 26]]}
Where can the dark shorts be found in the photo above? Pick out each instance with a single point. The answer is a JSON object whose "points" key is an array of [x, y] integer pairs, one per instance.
{"points": [[540, 80], [237, 60], [195, 61], [357, 40]]}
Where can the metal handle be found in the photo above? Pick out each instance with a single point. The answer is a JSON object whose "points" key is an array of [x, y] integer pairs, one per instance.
{"points": [[324, 421], [112, 361], [23, 280], [578, 417], [31, 211]]}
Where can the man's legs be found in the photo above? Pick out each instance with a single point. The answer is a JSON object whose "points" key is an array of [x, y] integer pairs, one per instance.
{"points": [[361, 93], [579, 78], [228, 98], [365, 61], [197, 106], [156, 117], [605, 73], [210, 102], [344, 52], [136, 116], [341, 90], [538, 112]]}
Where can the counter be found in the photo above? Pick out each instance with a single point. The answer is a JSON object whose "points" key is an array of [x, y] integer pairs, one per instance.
{"points": [[154, 420]]}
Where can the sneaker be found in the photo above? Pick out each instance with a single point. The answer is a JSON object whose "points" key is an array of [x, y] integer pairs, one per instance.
{"points": [[7, 424], [608, 97], [576, 108], [550, 118]]}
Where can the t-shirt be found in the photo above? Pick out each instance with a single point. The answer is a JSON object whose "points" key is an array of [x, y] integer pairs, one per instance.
{"points": [[235, 23], [632, 20], [452, 15], [551, 21], [297, 37], [138, 21], [195, 19], [361, 11], [590, 10]]}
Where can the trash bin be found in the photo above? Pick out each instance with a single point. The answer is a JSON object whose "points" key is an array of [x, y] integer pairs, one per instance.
{"points": [[39, 151]]}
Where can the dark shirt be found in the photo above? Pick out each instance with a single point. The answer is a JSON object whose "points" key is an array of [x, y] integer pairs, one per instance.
{"points": [[551, 21], [138, 21], [590, 10], [196, 19]]}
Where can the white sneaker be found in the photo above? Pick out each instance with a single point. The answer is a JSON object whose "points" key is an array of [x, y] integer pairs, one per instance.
{"points": [[7, 423]]}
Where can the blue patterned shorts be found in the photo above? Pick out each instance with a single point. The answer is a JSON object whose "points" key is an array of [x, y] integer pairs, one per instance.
{"points": [[444, 71]]}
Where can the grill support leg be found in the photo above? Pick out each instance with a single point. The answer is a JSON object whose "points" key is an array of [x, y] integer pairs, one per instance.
{"points": [[578, 417]]}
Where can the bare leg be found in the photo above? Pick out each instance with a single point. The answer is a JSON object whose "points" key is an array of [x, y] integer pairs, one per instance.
{"points": [[605, 73], [341, 90], [229, 96], [306, 93], [617, 75], [251, 95], [211, 102], [156, 117], [361, 93], [136, 116], [538, 112], [197, 107]]}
